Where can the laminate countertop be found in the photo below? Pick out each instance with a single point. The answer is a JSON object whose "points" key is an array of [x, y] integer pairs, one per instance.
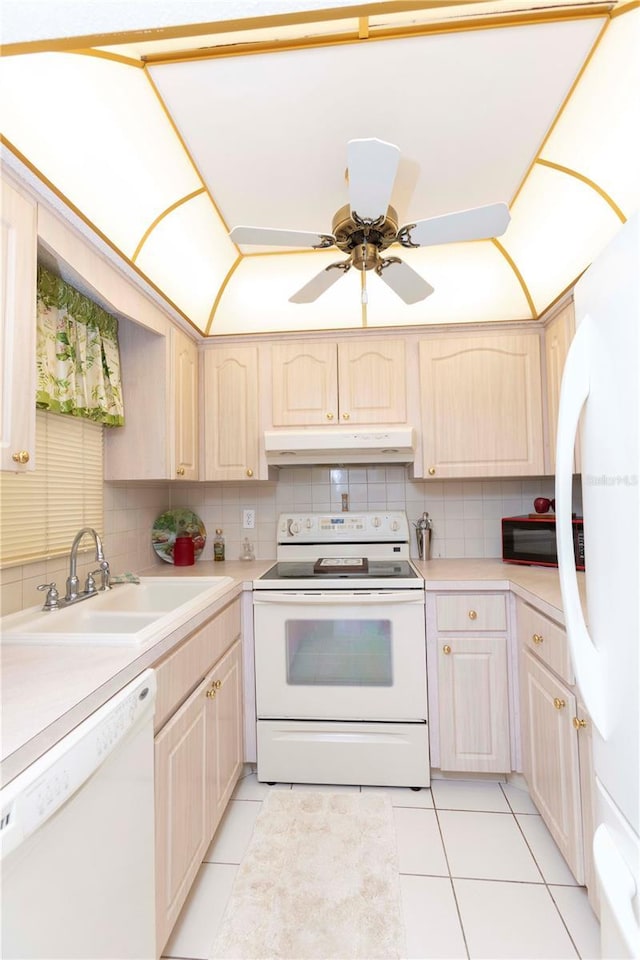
{"points": [[48, 689]]}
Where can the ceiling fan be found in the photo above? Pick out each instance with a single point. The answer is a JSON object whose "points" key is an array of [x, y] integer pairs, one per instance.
{"points": [[367, 225]]}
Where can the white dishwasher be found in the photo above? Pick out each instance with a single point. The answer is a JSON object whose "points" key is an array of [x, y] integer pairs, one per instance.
{"points": [[77, 840]]}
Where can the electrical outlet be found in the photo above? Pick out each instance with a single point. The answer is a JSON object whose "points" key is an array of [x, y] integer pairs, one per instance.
{"points": [[248, 519]]}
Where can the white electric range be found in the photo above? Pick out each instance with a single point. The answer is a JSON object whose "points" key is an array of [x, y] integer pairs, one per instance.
{"points": [[341, 681]]}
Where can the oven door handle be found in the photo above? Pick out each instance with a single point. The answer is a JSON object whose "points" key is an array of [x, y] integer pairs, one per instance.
{"points": [[341, 599]]}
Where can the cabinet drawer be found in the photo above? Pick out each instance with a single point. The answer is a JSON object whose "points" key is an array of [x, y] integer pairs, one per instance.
{"points": [[471, 612], [181, 670], [547, 639]]}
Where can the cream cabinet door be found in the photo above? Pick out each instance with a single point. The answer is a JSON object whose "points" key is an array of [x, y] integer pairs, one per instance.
{"points": [[481, 406], [231, 438], [18, 253], [358, 381], [372, 381], [185, 406], [184, 785], [558, 335], [473, 700], [551, 764], [582, 723], [227, 726], [305, 383]]}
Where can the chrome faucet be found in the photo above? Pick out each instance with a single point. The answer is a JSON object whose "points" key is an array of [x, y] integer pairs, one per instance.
{"points": [[72, 595]]}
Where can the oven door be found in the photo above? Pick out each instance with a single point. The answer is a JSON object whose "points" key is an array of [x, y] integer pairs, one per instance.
{"points": [[340, 655]]}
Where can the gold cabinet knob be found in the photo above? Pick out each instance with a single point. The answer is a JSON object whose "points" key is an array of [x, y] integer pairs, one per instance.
{"points": [[329, 416], [578, 723], [558, 703], [217, 684], [432, 471], [249, 472], [537, 638], [446, 648], [473, 615], [211, 693], [22, 456], [345, 416], [180, 471]]}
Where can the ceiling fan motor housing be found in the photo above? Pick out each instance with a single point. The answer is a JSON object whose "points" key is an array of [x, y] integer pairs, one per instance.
{"points": [[351, 232]]}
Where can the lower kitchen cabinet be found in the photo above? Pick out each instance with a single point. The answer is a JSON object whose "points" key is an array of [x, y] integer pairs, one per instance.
{"points": [[556, 741], [198, 758], [474, 704], [468, 654], [551, 765]]}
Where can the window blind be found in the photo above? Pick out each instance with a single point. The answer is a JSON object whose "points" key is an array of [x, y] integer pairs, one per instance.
{"points": [[43, 510]]}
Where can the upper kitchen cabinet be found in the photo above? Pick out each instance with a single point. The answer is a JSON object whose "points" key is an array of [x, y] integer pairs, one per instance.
{"points": [[159, 439], [184, 354], [558, 335], [18, 253], [354, 382], [481, 406], [231, 416]]}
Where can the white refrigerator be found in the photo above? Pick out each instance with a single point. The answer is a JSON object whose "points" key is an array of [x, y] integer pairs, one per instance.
{"points": [[599, 397]]}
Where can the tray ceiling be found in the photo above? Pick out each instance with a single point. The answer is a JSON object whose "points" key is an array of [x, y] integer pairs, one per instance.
{"points": [[169, 137]]}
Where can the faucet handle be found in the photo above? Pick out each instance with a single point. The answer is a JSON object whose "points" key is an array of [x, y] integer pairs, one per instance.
{"points": [[90, 583], [105, 573], [52, 598]]}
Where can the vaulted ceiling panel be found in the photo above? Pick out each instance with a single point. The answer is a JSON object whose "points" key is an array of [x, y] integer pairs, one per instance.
{"points": [[268, 132], [188, 255], [97, 131]]}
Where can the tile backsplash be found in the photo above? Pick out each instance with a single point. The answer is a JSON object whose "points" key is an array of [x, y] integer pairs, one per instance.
{"points": [[466, 515]]}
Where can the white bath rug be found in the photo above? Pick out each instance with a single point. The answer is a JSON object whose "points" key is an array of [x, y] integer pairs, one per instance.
{"points": [[319, 881]]}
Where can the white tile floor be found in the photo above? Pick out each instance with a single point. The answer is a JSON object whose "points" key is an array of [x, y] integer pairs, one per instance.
{"points": [[480, 876]]}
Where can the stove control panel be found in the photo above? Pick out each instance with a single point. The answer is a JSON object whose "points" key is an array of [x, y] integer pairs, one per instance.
{"points": [[368, 527]]}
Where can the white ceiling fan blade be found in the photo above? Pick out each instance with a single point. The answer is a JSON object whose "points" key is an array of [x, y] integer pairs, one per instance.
{"points": [[325, 279], [479, 223], [271, 236], [372, 166], [404, 280]]}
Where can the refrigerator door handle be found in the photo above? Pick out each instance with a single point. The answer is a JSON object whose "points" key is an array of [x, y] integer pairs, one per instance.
{"points": [[617, 886], [587, 660]]}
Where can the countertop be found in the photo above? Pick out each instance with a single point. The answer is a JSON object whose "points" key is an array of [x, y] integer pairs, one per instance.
{"points": [[48, 689]]}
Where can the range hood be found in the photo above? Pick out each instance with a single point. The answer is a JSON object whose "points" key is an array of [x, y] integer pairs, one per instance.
{"points": [[338, 445]]}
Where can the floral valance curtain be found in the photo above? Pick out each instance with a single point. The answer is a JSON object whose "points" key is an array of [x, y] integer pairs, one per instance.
{"points": [[78, 360]]}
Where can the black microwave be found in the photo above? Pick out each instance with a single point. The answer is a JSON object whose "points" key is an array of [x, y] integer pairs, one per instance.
{"points": [[531, 539]]}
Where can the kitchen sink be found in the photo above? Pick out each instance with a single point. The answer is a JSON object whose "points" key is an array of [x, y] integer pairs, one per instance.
{"points": [[130, 613]]}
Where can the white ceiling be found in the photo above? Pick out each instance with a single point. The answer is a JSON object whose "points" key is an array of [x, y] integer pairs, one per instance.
{"points": [[166, 141]]}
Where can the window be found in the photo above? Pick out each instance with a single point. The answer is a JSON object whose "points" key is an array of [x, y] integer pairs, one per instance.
{"points": [[43, 510]]}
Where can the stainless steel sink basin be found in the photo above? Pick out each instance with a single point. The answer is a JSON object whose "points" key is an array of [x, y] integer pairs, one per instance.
{"points": [[128, 614]]}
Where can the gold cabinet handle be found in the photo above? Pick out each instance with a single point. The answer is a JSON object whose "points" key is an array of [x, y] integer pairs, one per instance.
{"points": [[345, 416], [180, 471], [537, 638], [329, 416], [432, 471], [217, 684], [22, 456], [249, 472], [473, 615], [446, 648], [559, 704], [578, 723]]}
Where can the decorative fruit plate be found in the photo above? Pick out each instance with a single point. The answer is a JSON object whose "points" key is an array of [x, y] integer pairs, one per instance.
{"points": [[166, 528]]}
